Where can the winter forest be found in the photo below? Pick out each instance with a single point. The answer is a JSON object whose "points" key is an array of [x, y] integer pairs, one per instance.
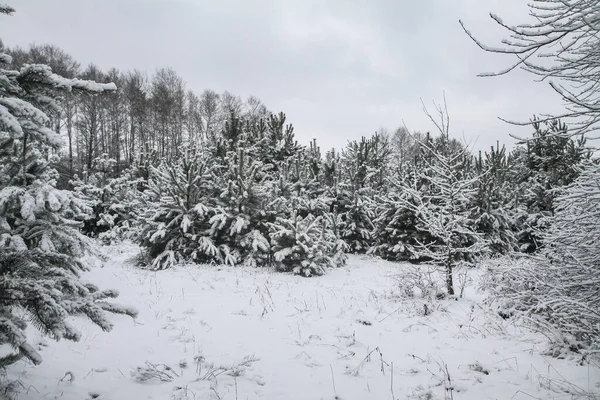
{"points": [[229, 260]]}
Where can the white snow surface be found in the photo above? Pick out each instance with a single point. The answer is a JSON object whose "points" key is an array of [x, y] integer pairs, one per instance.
{"points": [[350, 334]]}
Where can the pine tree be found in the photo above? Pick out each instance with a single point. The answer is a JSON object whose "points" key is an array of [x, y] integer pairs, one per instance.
{"points": [[239, 226], [357, 223], [113, 197], [306, 245], [305, 236], [306, 173], [212, 205], [364, 166], [39, 240], [272, 141], [179, 212], [541, 167], [396, 227], [491, 209]]}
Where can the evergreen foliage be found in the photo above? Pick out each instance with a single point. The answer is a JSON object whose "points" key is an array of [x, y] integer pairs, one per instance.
{"points": [[540, 168], [491, 207], [114, 199], [39, 236], [396, 225], [306, 245], [220, 203], [176, 215]]}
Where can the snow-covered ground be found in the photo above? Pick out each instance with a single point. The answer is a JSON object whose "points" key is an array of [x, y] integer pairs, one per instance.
{"points": [[242, 333]]}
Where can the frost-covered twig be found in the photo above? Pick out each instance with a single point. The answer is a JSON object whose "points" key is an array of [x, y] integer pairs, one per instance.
{"points": [[150, 371], [557, 300], [212, 371]]}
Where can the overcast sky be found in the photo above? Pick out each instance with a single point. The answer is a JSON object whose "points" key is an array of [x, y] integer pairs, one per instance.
{"points": [[339, 69]]}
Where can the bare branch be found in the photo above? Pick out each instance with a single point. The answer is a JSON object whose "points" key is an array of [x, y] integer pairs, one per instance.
{"points": [[563, 45]]}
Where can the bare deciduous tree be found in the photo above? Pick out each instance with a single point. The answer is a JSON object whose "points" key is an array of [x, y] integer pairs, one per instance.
{"points": [[437, 194], [209, 106], [193, 118], [135, 92], [168, 109], [560, 46], [89, 120]]}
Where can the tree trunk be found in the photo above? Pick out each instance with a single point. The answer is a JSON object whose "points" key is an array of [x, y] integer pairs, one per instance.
{"points": [[449, 277], [24, 160], [70, 135]]}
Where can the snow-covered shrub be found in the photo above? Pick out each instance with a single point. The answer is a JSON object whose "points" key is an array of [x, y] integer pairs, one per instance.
{"points": [[306, 246], [421, 282], [39, 238], [44, 287], [558, 288]]}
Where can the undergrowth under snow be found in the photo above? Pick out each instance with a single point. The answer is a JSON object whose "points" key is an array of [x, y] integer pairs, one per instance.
{"points": [[242, 333]]}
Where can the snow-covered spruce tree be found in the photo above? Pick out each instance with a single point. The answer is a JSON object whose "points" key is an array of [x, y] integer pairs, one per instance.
{"points": [[557, 288], [39, 239]]}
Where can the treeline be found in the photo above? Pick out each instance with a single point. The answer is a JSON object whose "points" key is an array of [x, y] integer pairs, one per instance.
{"points": [[406, 196], [146, 117], [151, 125]]}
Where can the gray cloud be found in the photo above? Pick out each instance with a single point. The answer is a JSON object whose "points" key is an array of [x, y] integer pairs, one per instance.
{"points": [[339, 69]]}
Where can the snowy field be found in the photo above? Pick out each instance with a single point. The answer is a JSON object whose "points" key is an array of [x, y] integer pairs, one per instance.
{"points": [[240, 333]]}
